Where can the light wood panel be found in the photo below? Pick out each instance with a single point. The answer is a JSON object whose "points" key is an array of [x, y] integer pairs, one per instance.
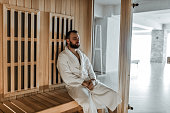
{"points": [[13, 2], [28, 3], [1, 49], [57, 33], [62, 108], [16, 70], [26, 52], [124, 54], [58, 6], [74, 8], [19, 51], [21, 3], [5, 49]]}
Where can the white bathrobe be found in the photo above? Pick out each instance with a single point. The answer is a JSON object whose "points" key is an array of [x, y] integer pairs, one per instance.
{"points": [[74, 73]]}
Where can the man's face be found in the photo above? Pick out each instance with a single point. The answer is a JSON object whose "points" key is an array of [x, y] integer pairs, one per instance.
{"points": [[74, 41]]}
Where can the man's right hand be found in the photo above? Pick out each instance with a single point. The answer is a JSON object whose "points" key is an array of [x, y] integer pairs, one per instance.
{"points": [[85, 83]]}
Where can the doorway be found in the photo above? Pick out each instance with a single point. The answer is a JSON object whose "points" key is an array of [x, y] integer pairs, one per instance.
{"points": [[149, 86]]}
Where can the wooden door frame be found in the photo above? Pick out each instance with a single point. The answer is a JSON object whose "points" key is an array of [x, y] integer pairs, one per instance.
{"points": [[125, 53]]}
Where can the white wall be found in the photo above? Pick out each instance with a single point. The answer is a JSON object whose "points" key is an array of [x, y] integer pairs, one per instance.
{"points": [[98, 10]]}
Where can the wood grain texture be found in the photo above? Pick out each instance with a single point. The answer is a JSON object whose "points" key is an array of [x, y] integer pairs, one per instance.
{"points": [[28, 3], [19, 51], [5, 49], [12, 51], [124, 53], [76, 8], [1, 50]]}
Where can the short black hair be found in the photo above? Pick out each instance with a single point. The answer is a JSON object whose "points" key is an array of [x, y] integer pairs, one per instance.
{"points": [[68, 33]]}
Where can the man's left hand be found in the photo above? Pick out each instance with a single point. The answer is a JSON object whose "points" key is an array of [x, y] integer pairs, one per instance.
{"points": [[91, 85]]}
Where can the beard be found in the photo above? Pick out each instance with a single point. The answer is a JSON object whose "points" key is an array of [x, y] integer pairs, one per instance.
{"points": [[74, 45]]}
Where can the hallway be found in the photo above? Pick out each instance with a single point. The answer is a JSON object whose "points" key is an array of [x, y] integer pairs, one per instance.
{"points": [[150, 88]]}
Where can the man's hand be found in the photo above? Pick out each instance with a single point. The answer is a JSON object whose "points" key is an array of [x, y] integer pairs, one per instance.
{"points": [[91, 85], [85, 83]]}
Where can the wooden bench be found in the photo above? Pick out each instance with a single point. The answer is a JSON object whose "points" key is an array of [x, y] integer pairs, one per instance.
{"points": [[56, 101]]}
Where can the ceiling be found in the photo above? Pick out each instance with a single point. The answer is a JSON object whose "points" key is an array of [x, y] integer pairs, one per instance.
{"points": [[108, 2], [150, 13]]}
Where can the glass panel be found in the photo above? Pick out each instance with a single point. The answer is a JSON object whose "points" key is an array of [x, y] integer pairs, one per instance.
{"points": [[106, 42]]}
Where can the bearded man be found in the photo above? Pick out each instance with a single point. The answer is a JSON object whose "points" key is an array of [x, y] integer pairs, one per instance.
{"points": [[81, 83]]}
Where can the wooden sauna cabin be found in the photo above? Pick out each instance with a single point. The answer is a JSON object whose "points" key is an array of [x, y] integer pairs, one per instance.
{"points": [[32, 35]]}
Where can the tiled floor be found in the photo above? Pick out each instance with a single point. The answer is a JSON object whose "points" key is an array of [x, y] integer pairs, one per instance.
{"points": [[149, 87]]}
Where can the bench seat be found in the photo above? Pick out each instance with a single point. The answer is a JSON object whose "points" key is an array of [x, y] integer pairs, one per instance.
{"points": [[55, 101]]}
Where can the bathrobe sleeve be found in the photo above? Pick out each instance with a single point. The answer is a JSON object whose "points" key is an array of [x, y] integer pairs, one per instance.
{"points": [[91, 73], [68, 77]]}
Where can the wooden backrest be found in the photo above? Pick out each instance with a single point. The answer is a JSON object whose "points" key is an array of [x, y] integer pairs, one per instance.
{"points": [[59, 25], [20, 48]]}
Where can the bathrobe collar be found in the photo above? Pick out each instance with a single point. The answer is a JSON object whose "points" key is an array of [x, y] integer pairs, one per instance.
{"points": [[73, 56]]}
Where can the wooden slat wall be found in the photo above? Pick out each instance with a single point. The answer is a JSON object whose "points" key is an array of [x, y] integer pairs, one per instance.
{"points": [[81, 11]]}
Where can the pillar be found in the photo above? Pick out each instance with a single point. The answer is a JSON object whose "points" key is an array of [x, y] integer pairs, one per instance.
{"points": [[158, 46]]}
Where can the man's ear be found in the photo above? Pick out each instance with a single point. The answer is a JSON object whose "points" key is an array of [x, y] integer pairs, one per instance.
{"points": [[68, 41]]}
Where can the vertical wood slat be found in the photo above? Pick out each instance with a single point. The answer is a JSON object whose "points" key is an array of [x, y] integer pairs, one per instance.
{"points": [[28, 3], [35, 4], [5, 49], [77, 13], [125, 50], [12, 50], [1, 49], [13, 2], [50, 46], [55, 36], [32, 50], [20, 2], [73, 26], [38, 51], [19, 50], [68, 7], [58, 6], [72, 7], [63, 8], [69, 21], [53, 5], [64, 34], [26, 52], [81, 26]]}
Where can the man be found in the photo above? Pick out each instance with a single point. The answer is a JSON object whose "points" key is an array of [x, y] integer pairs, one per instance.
{"points": [[77, 72]]}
